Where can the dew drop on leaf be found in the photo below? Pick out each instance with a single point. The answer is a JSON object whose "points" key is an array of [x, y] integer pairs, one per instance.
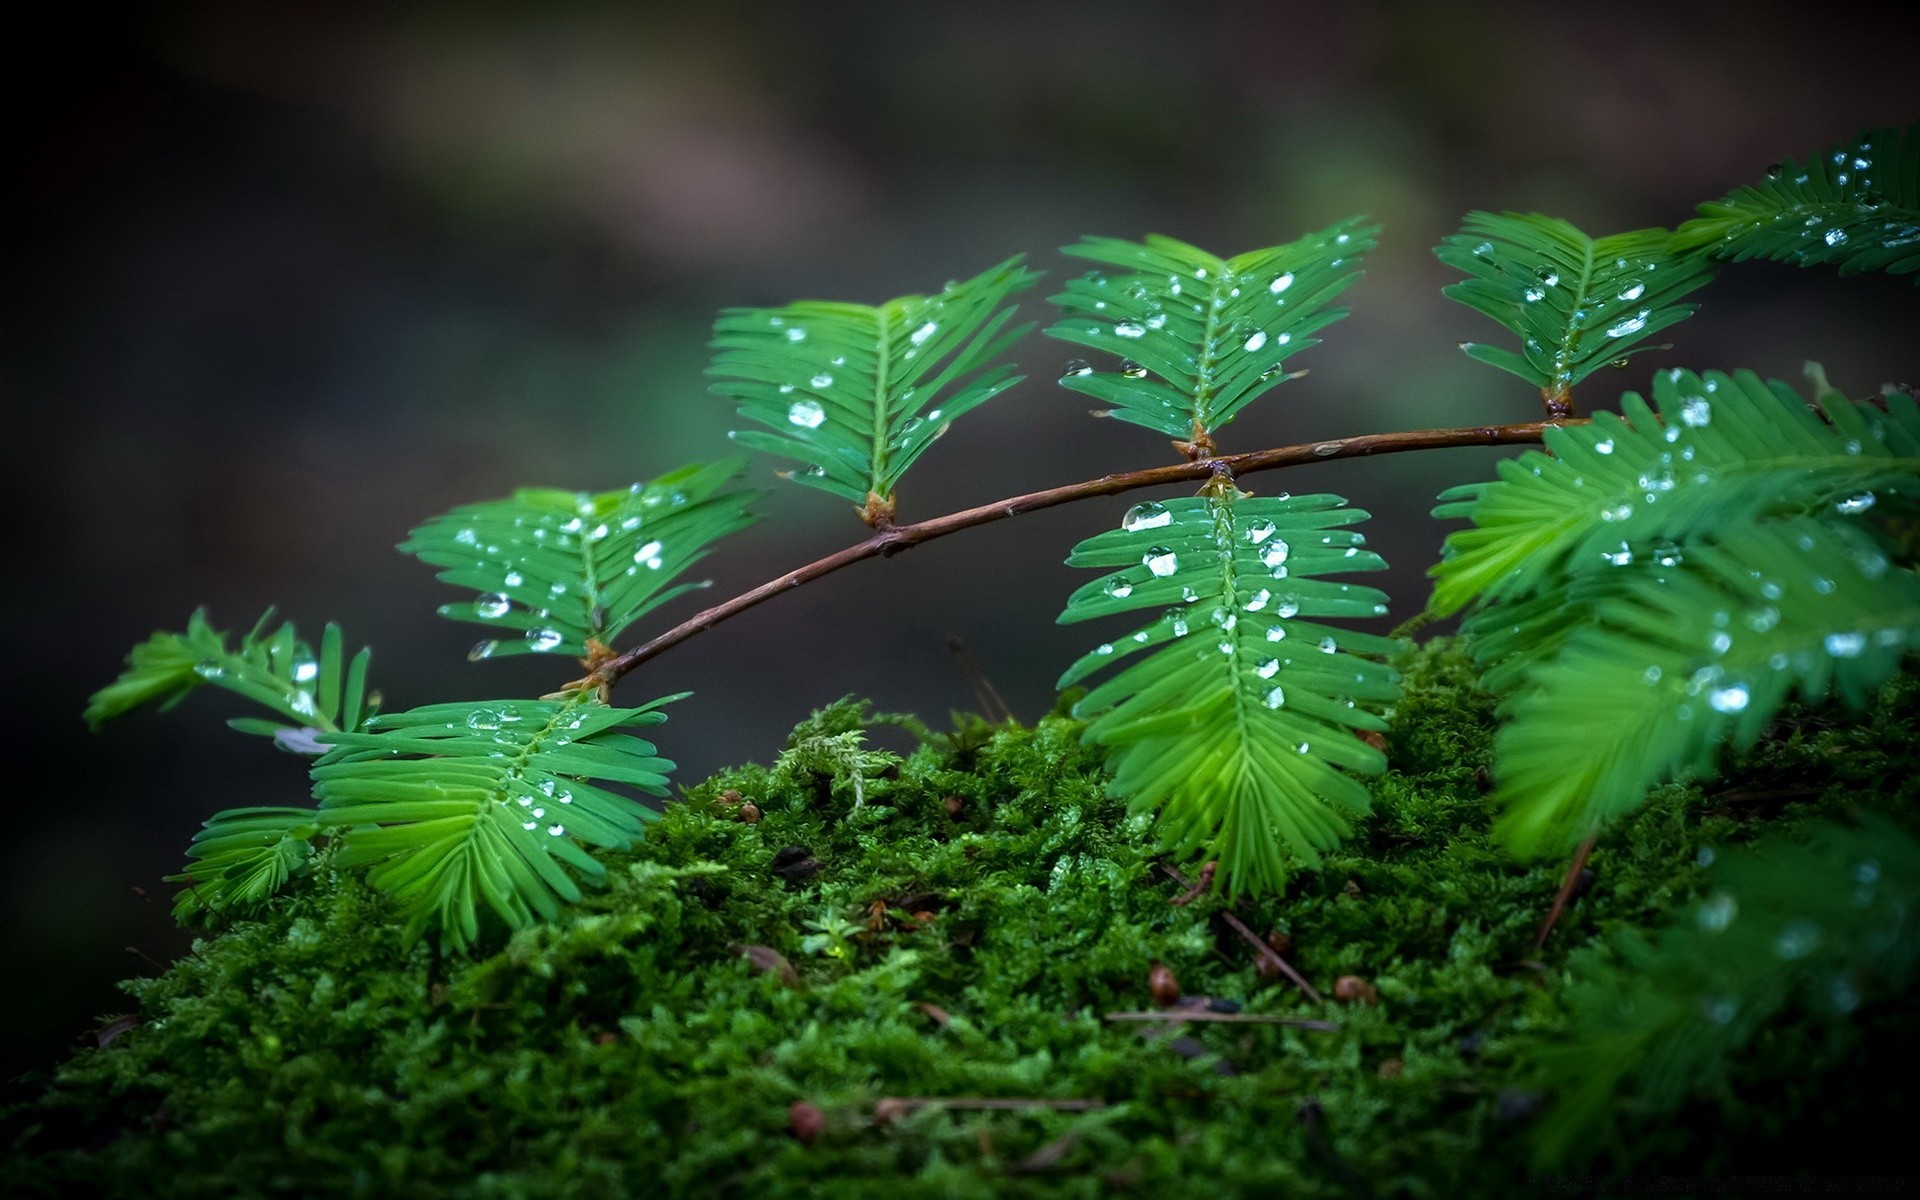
{"points": [[491, 605], [1695, 412], [1731, 699], [1119, 588], [1161, 561], [1129, 329], [808, 414], [544, 639], [1257, 340], [1077, 366], [1150, 515]]}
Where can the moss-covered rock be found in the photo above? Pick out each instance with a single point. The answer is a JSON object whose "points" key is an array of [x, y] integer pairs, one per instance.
{"points": [[899, 982]]}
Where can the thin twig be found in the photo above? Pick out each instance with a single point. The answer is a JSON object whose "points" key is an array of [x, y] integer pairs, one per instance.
{"points": [[1201, 1014], [893, 539], [1271, 956], [1572, 881], [993, 706]]}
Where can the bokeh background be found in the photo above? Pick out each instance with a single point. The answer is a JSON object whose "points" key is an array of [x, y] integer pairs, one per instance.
{"points": [[283, 280]]}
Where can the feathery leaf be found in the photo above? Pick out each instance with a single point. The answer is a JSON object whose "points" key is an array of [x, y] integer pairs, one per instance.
{"points": [[556, 570], [1236, 720], [1856, 207], [1577, 303], [1826, 924], [277, 670], [856, 393], [1720, 451], [1689, 659], [241, 857], [1202, 336], [487, 802]]}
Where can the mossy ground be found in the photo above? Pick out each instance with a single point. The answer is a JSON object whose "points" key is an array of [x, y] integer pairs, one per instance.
{"points": [[633, 1049]]}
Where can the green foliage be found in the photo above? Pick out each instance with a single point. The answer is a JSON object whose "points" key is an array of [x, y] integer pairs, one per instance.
{"points": [[1202, 337], [241, 857], [1856, 207], [1808, 930], [624, 1050], [1237, 721], [1687, 659], [1578, 303], [460, 805], [856, 392], [1713, 453], [559, 570], [314, 694]]}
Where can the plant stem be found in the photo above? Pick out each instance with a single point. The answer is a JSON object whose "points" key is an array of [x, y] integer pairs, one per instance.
{"points": [[889, 541]]}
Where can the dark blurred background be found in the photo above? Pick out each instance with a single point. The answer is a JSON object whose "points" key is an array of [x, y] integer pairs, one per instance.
{"points": [[282, 281]]}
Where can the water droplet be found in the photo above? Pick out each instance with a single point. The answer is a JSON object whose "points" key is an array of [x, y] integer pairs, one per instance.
{"points": [[1854, 505], [1179, 626], [1633, 324], [1161, 561], [1287, 608], [1717, 912], [1328, 645], [1695, 412], [544, 639], [823, 379], [1132, 369], [1730, 699], [482, 650], [1103, 649], [1256, 341], [1150, 515], [491, 605], [1078, 366], [483, 719], [1548, 276], [1836, 236], [1603, 446], [1157, 321], [1845, 645], [1797, 939], [919, 336], [1129, 329], [1535, 293], [1275, 698], [306, 671], [1620, 558], [1260, 531], [1651, 675], [1634, 292], [1276, 633], [1617, 512], [808, 414], [1326, 449], [649, 555], [1274, 555], [1281, 283], [1720, 642], [1268, 669], [1119, 588]]}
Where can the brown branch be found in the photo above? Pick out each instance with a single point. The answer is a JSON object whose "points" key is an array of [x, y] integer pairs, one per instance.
{"points": [[1272, 957], [1572, 881], [891, 540]]}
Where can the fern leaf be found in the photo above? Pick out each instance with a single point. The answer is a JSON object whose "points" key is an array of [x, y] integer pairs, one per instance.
{"points": [[1719, 451], [1826, 923], [321, 693], [1202, 336], [460, 806], [241, 857], [1576, 302], [1856, 207], [1235, 717], [558, 570], [856, 393], [1691, 659]]}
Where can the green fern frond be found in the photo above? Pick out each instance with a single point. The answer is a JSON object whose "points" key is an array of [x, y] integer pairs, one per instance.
{"points": [[1720, 450], [1690, 659], [1856, 207], [557, 570], [1202, 337], [321, 693], [1826, 925], [241, 857], [857, 393], [461, 805], [1576, 302], [1236, 719]]}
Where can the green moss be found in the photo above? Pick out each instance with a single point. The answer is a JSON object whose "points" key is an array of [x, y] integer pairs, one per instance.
{"points": [[631, 1048]]}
